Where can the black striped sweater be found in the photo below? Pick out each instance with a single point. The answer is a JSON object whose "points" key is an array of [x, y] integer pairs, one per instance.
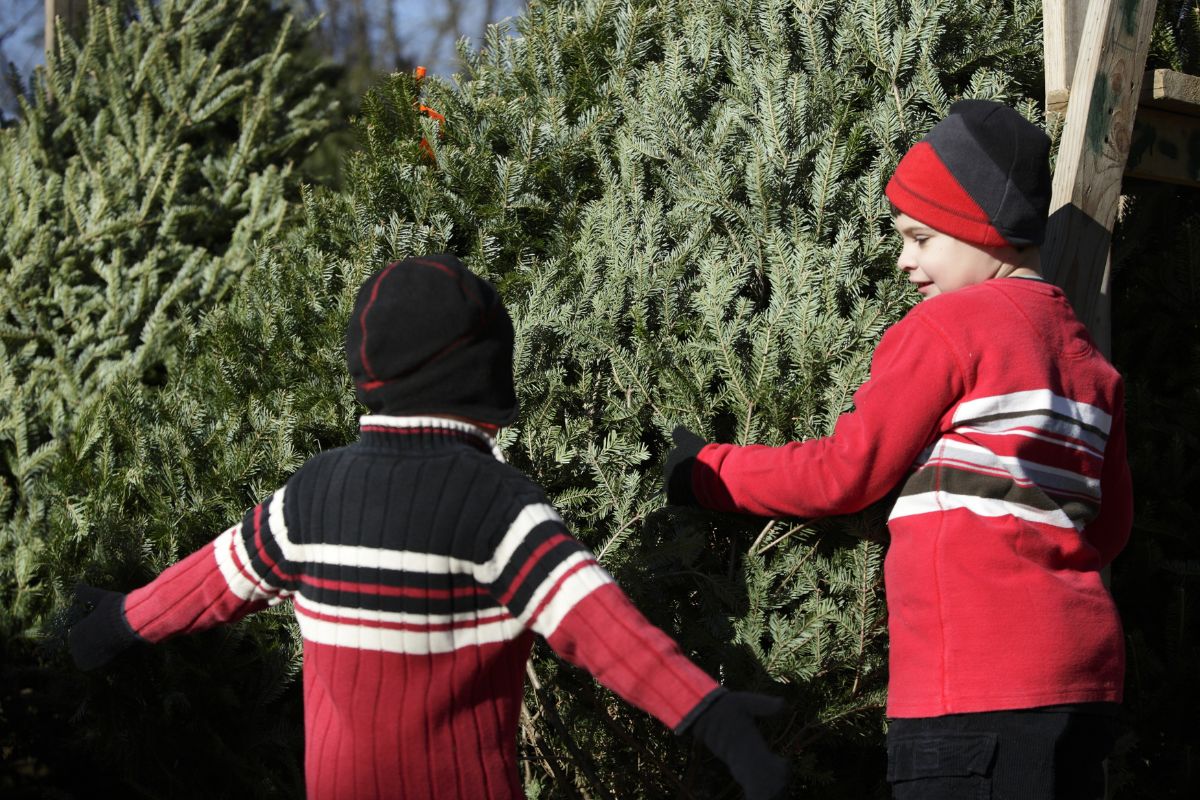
{"points": [[420, 566]]}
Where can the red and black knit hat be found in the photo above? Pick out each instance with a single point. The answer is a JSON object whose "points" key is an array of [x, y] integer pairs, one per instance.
{"points": [[428, 336], [981, 175]]}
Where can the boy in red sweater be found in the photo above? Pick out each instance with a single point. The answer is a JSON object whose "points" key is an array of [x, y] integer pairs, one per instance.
{"points": [[991, 409], [420, 566]]}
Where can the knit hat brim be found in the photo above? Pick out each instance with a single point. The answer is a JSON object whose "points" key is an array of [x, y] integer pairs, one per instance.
{"points": [[924, 189]]}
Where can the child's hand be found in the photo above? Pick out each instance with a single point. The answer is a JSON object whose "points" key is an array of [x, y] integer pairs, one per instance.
{"points": [[96, 638], [727, 728], [677, 471]]}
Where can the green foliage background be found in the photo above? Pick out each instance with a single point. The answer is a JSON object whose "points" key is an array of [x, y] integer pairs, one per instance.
{"points": [[150, 159], [682, 206]]}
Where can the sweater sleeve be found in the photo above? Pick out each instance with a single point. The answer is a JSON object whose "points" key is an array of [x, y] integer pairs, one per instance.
{"points": [[1110, 530], [554, 585], [243, 570], [915, 379]]}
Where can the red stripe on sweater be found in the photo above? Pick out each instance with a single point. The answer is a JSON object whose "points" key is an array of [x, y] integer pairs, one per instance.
{"points": [[392, 591], [1000, 472], [558, 585], [970, 466], [429, 627], [260, 546], [534, 558], [418, 430], [1025, 438], [466, 436], [247, 573]]}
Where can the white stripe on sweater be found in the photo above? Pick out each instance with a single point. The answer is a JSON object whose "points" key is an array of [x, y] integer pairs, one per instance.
{"points": [[411, 561], [311, 606], [567, 595], [441, 423], [937, 502], [530, 517], [348, 555], [367, 637], [1039, 428], [226, 547], [292, 551], [1035, 407]]}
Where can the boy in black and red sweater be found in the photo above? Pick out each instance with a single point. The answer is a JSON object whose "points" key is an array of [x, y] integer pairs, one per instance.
{"points": [[420, 565], [1003, 426]]}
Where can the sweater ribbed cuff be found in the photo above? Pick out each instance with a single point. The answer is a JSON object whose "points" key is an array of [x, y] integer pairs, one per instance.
{"points": [[698, 709]]}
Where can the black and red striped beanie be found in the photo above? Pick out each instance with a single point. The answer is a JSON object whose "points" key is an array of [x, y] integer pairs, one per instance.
{"points": [[428, 336], [981, 175]]}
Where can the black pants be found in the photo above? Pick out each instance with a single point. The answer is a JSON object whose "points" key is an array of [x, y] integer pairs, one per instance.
{"points": [[1054, 753]]}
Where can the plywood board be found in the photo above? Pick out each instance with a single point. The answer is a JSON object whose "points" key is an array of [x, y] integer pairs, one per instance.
{"points": [[1165, 147]]}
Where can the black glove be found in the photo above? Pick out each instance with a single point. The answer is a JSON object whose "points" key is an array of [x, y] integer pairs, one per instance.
{"points": [[104, 632], [726, 726], [677, 471]]}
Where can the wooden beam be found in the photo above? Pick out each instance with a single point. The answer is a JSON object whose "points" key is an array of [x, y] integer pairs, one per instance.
{"points": [[1166, 131], [1171, 91], [1062, 30], [1165, 147], [73, 14], [1092, 155]]}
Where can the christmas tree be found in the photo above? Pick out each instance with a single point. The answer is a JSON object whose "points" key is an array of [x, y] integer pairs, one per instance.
{"points": [[150, 158]]}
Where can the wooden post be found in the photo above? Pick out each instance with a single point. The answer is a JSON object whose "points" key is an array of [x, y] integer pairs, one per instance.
{"points": [[1062, 31], [73, 14], [1091, 158]]}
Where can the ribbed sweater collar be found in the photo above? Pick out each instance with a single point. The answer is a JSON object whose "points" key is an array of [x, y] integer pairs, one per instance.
{"points": [[406, 434]]}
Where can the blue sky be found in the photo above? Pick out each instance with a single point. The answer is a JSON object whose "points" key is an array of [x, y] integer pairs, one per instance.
{"points": [[23, 48], [22, 20]]}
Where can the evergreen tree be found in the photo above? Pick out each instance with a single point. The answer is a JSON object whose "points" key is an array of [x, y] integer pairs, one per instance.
{"points": [[149, 158]]}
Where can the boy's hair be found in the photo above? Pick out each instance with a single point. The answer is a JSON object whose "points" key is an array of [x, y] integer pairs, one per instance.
{"points": [[428, 336], [981, 175]]}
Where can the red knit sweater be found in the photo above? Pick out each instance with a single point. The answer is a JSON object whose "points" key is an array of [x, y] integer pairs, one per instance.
{"points": [[1004, 428], [420, 567]]}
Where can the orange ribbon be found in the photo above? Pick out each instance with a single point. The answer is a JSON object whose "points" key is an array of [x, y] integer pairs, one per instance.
{"points": [[419, 73]]}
